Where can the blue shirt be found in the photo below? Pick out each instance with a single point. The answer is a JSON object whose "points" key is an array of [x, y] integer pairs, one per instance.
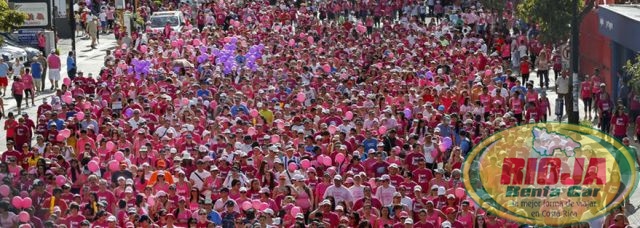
{"points": [[215, 217], [239, 108], [59, 124], [203, 92], [71, 64], [36, 70], [370, 143], [4, 69]]}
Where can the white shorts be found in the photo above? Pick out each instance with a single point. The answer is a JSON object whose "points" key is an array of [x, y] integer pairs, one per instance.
{"points": [[54, 74]]}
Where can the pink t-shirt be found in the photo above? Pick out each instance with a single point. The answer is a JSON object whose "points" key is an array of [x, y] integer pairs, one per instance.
{"points": [[53, 61], [73, 221], [27, 79], [17, 88]]}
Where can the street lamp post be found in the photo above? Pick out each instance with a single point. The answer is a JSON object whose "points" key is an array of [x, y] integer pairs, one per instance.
{"points": [[72, 24], [572, 101]]}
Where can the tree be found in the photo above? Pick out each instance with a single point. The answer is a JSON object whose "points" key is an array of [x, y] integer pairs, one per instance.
{"points": [[632, 68], [494, 5], [10, 19], [554, 17], [558, 20]]}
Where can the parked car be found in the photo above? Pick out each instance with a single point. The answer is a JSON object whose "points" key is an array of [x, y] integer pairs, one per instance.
{"points": [[31, 51], [159, 19], [15, 53]]}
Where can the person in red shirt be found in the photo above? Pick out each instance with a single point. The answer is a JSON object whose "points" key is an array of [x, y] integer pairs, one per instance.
{"points": [[525, 68], [75, 218], [9, 126], [11, 152], [619, 123], [22, 133]]}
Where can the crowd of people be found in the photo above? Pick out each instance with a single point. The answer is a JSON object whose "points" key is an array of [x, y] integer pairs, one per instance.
{"points": [[284, 114]]}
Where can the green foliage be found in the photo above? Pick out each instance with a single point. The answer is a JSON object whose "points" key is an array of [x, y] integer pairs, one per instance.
{"points": [[10, 19], [138, 19], [494, 5], [632, 68], [552, 16]]}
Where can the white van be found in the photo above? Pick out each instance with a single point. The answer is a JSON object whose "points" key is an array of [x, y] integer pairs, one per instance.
{"points": [[159, 19]]}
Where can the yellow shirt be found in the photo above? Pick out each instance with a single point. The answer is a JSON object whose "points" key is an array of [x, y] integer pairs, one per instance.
{"points": [[267, 115], [32, 161]]}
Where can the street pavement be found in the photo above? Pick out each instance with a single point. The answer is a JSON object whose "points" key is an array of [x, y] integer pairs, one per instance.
{"points": [[91, 61]]}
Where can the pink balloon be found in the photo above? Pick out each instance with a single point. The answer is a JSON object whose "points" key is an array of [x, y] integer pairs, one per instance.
{"points": [[60, 180], [99, 137], [305, 164], [80, 115], [4, 190], [275, 138], [251, 131], [488, 72], [66, 81], [264, 206], [196, 42], [460, 193], [295, 211], [256, 204], [326, 68], [86, 105], [93, 166], [254, 113], [24, 217], [292, 167], [111, 146], [339, 158], [301, 97], [68, 93], [174, 54], [113, 165], [292, 42], [27, 202], [332, 129], [310, 39], [60, 137], [119, 156], [66, 133], [280, 125], [67, 99], [327, 161], [185, 101], [16, 201], [382, 130], [246, 205], [348, 115], [320, 159]]}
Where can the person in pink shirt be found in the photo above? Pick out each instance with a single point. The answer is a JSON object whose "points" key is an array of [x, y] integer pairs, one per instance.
{"points": [[54, 64], [17, 90], [74, 218], [29, 87]]}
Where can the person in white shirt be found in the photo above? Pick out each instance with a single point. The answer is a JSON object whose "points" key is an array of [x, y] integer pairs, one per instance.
{"points": [[165, 129], [385, 192], [136, 120], [219, 205], [357, 190], [199, 176], [339, 192]]}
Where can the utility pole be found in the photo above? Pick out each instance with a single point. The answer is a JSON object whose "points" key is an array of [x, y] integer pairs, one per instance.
{"points": [[71, 14], [572, 101]]}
